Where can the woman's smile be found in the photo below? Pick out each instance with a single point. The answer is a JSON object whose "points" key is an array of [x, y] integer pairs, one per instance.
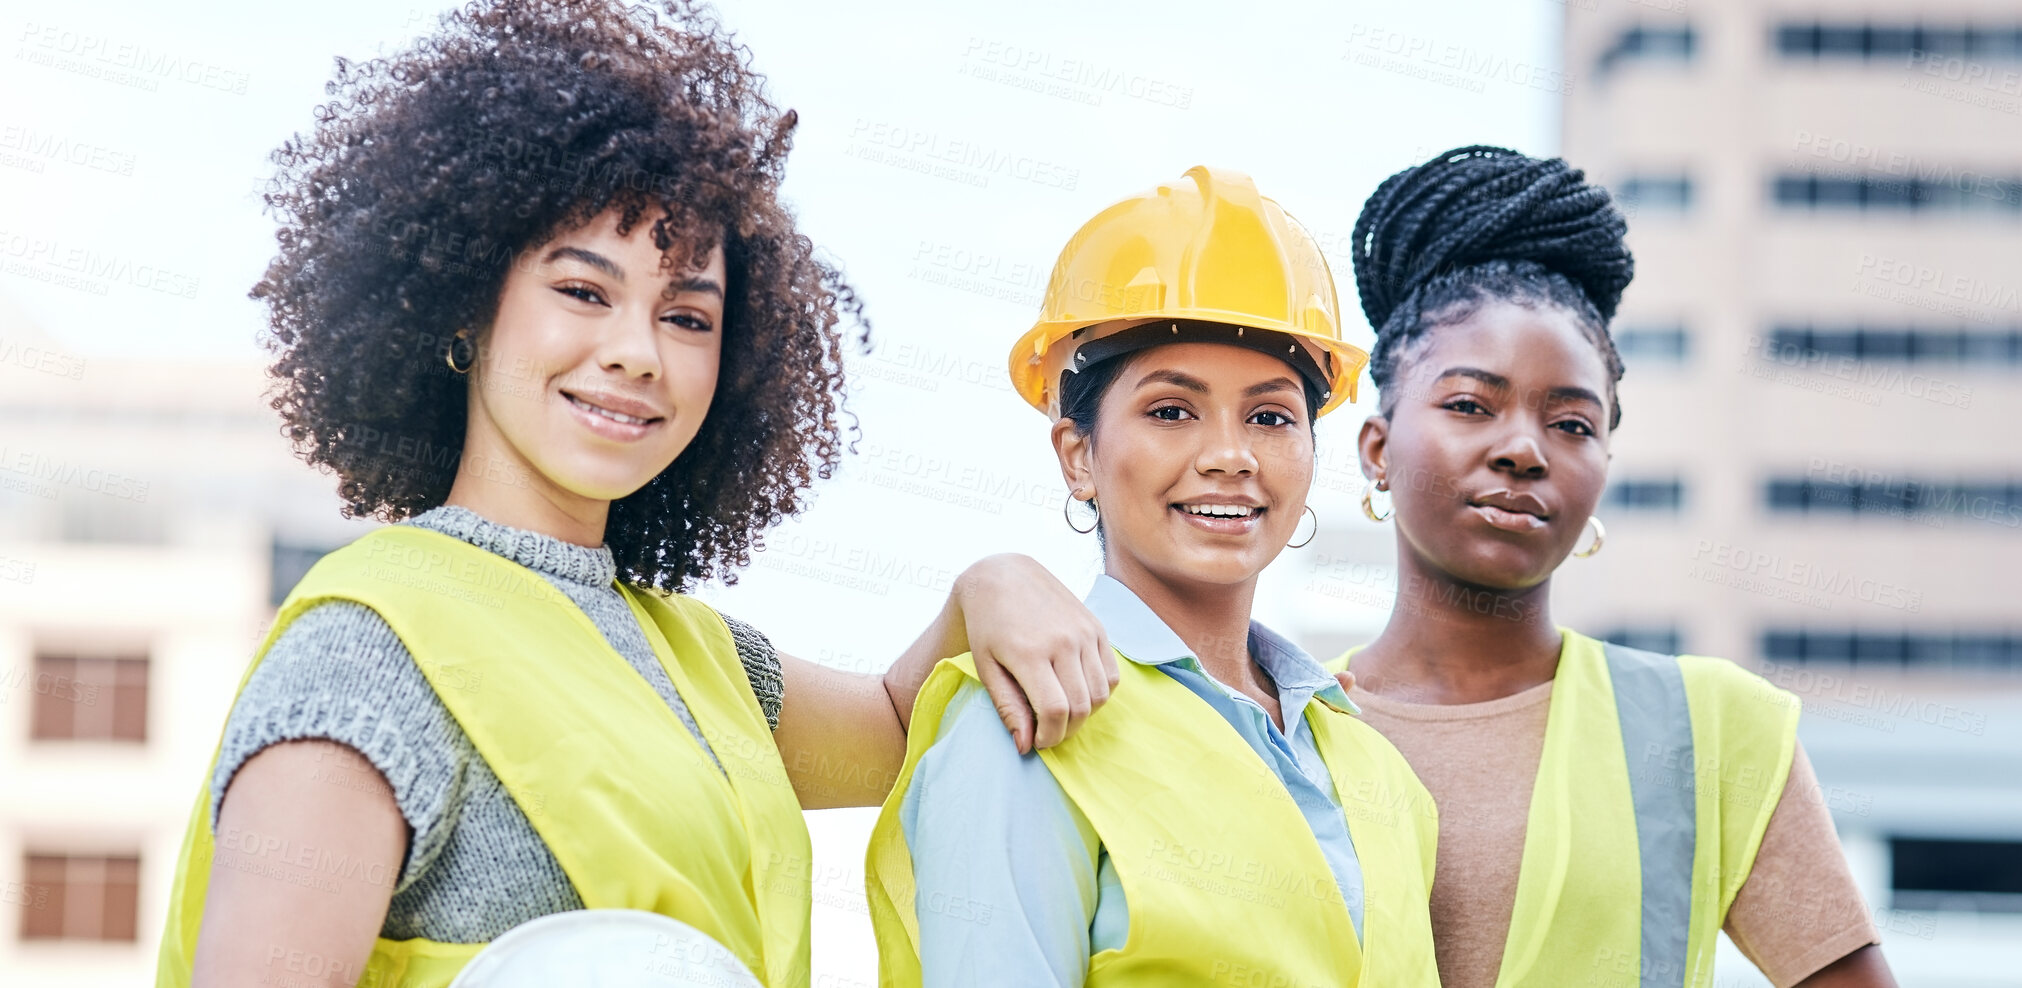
{"points": [[613, 416], [1222, 516]]}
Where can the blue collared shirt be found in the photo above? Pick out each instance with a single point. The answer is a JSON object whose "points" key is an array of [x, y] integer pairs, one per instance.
{"points": [[1013, 886]]}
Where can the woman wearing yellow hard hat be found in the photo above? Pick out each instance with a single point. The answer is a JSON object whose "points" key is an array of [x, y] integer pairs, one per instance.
{"points": [[538, 302], [1604, 811], [1223, 819]]}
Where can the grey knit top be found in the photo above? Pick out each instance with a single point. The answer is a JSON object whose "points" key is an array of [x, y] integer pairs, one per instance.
{"points": [[475, 866]]}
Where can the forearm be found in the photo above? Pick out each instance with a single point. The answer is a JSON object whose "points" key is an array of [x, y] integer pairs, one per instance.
{"points": [[838, 736], [946, 637], [843, 736]]}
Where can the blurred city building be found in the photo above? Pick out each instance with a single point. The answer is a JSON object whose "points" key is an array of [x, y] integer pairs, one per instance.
{"points": [[151, 517]]}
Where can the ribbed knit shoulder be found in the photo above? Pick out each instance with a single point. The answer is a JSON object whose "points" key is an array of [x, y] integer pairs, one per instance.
{"points": [[338, 672], [474, 867], [761, 666]]}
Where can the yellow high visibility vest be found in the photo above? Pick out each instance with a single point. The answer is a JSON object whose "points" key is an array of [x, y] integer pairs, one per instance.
{"points": [[1657, 780], [1225, 881], [615, 785]]}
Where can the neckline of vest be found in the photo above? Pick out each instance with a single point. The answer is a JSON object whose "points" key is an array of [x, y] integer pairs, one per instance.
{"points": [[662, 652]]}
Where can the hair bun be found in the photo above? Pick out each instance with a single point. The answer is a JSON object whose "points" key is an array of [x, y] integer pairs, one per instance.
{"points": [[1483, 203]]}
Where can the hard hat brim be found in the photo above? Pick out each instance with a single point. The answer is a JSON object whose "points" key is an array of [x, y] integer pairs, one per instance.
{"points": [[1048, 347]]}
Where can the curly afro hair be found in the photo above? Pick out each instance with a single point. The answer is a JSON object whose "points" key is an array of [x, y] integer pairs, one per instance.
{"points": [[1437, 240], [430, 171]]}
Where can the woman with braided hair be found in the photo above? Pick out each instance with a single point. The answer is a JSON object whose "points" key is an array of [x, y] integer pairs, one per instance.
{"points": [[1603, 812]]}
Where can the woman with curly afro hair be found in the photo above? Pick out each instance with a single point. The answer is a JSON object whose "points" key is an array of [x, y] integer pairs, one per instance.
{"points": [[537, 302]]}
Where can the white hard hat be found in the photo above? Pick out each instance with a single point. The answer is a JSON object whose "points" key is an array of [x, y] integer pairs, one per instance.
{"points": [[604, 948]]}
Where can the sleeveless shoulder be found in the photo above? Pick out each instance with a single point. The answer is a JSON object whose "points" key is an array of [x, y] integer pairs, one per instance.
{"points": [[339, 673], [1747, 715], [1734, 684], [755, 654]]}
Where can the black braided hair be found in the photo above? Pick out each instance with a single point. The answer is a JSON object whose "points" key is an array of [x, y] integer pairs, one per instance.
{"points": [[1480, 223]]}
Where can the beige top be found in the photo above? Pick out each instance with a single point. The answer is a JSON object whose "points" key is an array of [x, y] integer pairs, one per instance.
{"points": [[1798, 911]]}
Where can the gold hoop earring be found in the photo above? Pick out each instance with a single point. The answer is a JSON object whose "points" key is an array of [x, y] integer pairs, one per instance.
{"points": [[1309, 536], [468, 349], [1072, 497], [1369, 509], [1600, 536]]}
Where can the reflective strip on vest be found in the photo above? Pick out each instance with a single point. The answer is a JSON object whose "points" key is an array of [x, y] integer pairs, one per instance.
{"points": [[1655, 784], [1657, 732]]}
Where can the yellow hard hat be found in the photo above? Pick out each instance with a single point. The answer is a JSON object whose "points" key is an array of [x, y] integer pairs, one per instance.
{"points": [[1207, 249]]}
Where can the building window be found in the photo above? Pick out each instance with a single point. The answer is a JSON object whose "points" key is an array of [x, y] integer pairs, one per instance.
{"points": [[1665, 495], [1847, 491], [1964, 650], [71, 897], [290, 562], [1649, 43], [1662, 639], [1968, 875], [119, 513], [1897, 42], [1898, 344], [89, 696], [1960, 191], [1644, 345], [1665, 193]]}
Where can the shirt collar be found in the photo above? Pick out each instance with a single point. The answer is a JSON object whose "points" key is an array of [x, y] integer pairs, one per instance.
{"points": [[1141, 637]]}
